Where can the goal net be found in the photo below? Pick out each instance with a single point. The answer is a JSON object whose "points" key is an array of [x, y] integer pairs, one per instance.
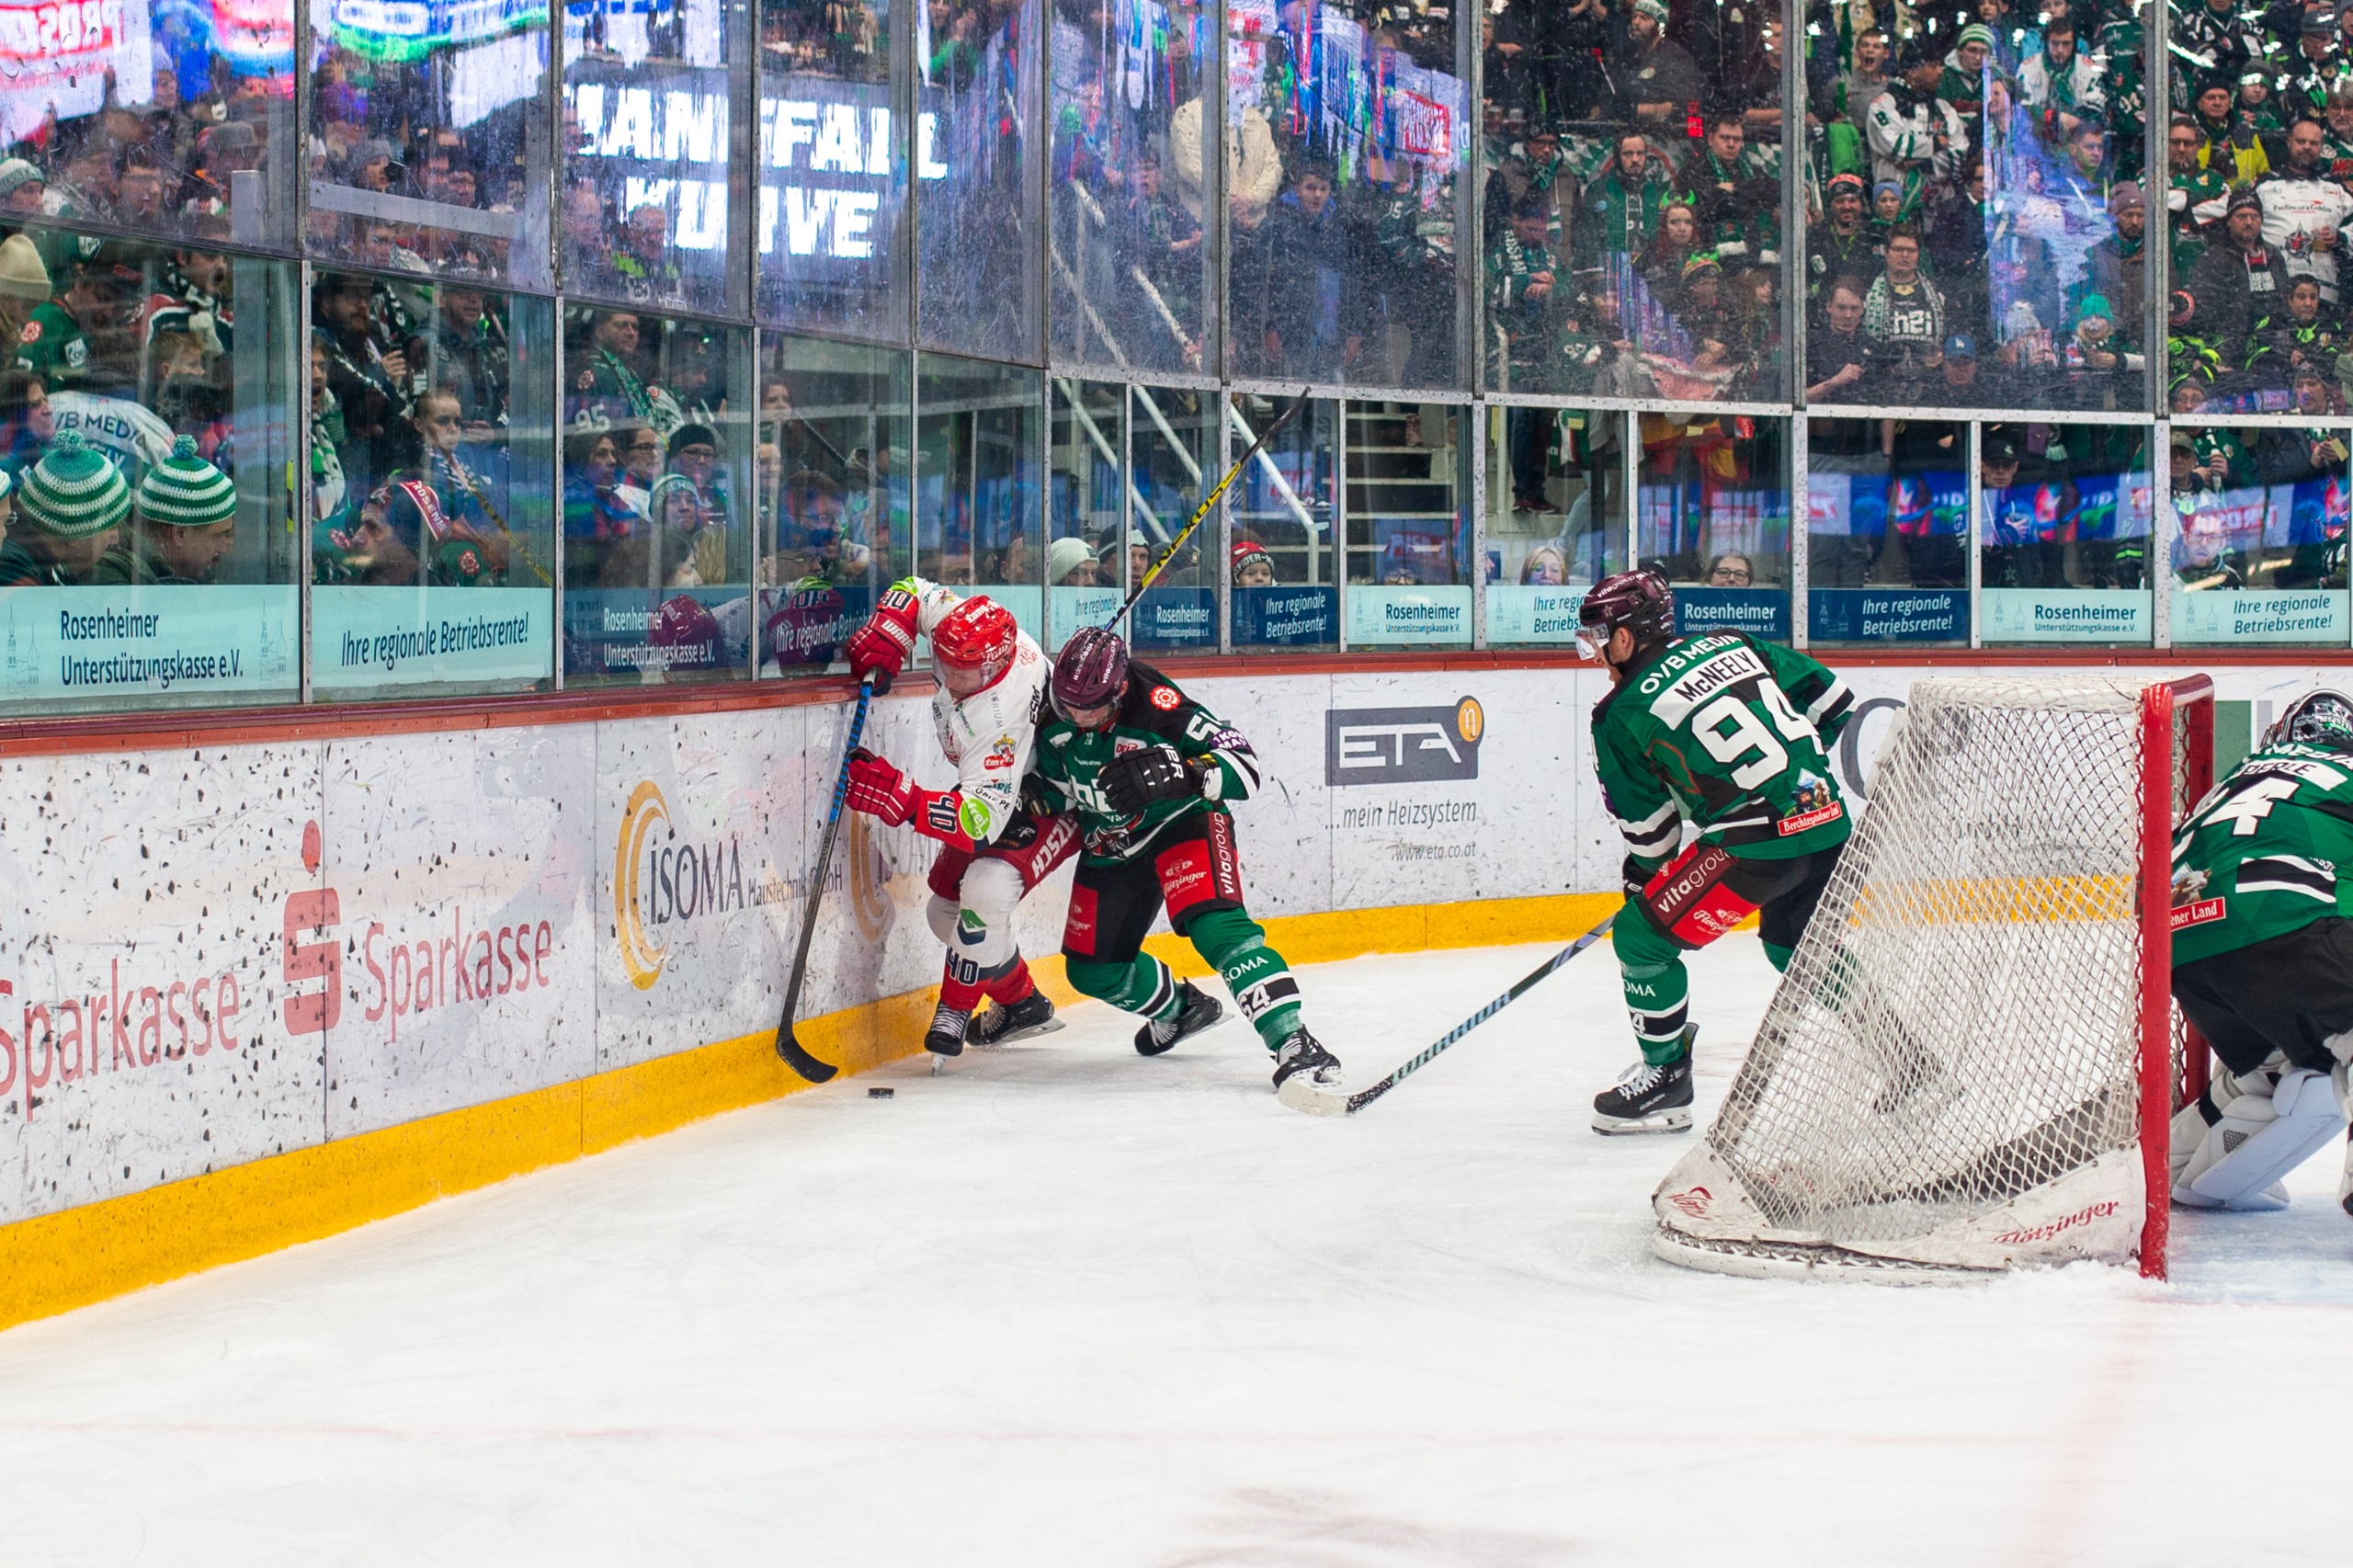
{"points": [[1971, 1061]]}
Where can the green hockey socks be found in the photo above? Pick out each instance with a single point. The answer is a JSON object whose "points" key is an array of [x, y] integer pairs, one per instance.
{"points": [[1144, 985], [1261, 982], [1235, 944], [1658, 988]]}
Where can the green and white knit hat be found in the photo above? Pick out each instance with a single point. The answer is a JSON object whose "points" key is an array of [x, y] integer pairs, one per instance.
{"points": [[73, 493], [185, 492]]}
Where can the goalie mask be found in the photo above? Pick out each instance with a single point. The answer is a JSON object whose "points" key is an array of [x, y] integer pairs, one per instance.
{"points": [[2322, 718]]}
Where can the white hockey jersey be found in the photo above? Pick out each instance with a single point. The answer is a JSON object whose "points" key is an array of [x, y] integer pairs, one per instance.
{"points": [[991, 735], [1903, 129], [2295, 209]]}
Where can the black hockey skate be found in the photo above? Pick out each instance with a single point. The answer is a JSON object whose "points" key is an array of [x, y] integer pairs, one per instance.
{"points": [[1197, 1011], [946, 1035], [1304, 1071], [1034, 1014], [1648, 1099]]}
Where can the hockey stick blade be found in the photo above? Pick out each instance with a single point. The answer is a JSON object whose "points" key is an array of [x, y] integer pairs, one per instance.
{"points": [[1301, 1095], [787, 1046]]}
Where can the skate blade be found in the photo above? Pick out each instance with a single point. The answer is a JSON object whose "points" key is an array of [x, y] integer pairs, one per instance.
{"points": [[1675, 1120], [938, 1066], [1049, 1026], [1313, 1099]]}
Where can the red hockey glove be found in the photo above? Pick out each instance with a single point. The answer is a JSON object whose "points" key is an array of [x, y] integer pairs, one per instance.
{"points": [[884, 792], [880, 649], [880, 789]]}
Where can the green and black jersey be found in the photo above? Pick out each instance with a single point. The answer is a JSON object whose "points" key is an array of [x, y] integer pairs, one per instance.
{"points": [[2259, 857], [1154, 712], [1733, 734]]}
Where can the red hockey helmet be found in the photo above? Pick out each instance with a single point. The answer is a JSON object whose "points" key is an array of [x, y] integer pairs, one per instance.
{"points": [[686, 626], [1090, 674], [1638, 600], [974, 646]]}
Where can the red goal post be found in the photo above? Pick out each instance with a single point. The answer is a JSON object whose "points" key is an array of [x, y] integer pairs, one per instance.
{"points": [[2177, 770]]}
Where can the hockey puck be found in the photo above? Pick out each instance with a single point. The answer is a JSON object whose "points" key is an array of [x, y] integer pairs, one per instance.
{"points": [[878, 1094]]}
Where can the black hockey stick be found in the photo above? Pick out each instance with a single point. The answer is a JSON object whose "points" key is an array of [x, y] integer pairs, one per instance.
{"points": [[1339, 1102], [1168, 551], [789, 1047]]}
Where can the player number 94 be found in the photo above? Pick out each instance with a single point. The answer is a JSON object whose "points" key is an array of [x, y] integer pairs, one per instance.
{"points": [[1728, 727]]}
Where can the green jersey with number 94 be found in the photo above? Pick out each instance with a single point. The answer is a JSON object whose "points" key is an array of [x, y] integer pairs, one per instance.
{"points": [[2259, 857], [1732, 734]]}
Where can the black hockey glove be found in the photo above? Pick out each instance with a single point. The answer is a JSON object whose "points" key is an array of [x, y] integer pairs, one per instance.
{"points": [[1134, 780], [1636, 879]]}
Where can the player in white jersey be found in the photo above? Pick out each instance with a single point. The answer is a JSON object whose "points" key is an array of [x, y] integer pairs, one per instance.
{"points": [[996, 842]]}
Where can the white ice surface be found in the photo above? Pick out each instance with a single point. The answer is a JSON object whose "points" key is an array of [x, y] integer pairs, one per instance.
{"points": [[1067, 1306]]}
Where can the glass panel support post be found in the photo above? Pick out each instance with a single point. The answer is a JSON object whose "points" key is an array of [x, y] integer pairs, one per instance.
{"points": [[2164, 522], [1800, 444], [1337, 541], [555, 549], [1973, 534], [1473, 449], [306, 495]]}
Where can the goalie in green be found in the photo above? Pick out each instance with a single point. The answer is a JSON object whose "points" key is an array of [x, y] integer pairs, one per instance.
{"points": [[1731, 735], [2263, 960]]}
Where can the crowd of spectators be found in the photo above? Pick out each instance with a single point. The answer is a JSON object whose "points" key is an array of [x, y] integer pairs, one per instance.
{"points": [[123, 363], [2260, 152], [1976, 209]]}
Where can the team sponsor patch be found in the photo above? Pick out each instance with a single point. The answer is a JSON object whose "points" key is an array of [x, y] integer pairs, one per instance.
{"points": [[2198, 913], [971, 929], [974, 818], [1799, 821], [1165, 697], [1229, 740], [77, 353], [1000, 756], [31, 332]]}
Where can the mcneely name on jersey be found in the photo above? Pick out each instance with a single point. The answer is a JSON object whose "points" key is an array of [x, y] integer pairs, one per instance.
{"points": [[1712, 730]]}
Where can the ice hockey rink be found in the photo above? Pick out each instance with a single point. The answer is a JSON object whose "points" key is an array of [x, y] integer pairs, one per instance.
{"points": [[1066, 1305]]}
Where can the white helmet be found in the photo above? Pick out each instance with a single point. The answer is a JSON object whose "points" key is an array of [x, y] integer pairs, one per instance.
{"points": [[2318, 718]]}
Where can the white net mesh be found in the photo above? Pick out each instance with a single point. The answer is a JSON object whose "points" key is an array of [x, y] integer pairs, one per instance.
{"points": [[1948, 1073]]}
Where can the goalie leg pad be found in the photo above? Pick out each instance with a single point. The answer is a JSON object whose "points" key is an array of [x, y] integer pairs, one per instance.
{"points": [[2259, 1125], [2342, 1082]]}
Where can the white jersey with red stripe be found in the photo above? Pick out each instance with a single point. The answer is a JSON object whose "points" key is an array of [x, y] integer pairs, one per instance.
{"points": [[992, 734]]}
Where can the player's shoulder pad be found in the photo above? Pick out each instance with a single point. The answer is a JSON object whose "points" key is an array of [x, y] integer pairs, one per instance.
{"points": [[1154, 702]]}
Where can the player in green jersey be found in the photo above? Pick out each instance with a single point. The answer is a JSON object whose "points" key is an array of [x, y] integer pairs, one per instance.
{"points": [[1148, 771], [2263, 960], [1730, 736]]}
